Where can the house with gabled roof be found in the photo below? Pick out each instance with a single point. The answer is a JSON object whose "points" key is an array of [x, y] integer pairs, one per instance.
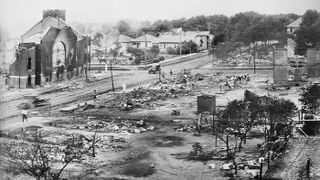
{"points": [[294, 26], [51, 50], [144, 41], [170, 39], [124, 41]]}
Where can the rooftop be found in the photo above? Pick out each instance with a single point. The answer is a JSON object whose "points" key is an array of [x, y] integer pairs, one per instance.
{"points": [[296, 23]]}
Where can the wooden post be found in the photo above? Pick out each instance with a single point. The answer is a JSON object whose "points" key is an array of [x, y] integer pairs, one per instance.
{"points": [[112, 83], [261, 165], [254, 59], [49, 109], [213, 126], [308, 168], [227, 143], [89, 54], [160, 74], [268, 160]]}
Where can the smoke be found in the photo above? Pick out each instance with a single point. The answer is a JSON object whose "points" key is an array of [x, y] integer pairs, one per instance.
{"points": [[109, 30]]}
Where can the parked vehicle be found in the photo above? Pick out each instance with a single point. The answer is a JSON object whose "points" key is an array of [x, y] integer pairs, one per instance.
{"points": [[154, 69]]}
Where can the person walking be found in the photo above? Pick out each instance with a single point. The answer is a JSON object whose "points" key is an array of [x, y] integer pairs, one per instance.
{"points": [[94, 94], [24, 113], [171, 72]]}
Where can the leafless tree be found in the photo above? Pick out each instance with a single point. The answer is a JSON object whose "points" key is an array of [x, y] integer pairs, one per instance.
{"points": [[37, 158], [93, 140]]}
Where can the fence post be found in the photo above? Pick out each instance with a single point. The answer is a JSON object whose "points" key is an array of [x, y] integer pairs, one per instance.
{"points": [[261, 165], [308, 168], [268, 160]]}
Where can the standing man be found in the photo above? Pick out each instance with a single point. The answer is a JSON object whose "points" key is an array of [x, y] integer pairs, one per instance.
{"points": [[94, 94], [171, 72], [24, 113]]}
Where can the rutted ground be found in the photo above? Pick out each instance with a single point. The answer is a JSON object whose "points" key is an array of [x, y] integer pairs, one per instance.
{"points": [[132, 152]]}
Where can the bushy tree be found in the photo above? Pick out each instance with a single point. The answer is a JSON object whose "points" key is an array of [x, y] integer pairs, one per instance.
{"points": [[154, 51], [242, 116], [188, 47], [124, 28], [171, 50], [279, 112], [310, 98], [97, 39], [137, 53], [162, 26], [308, 36]]}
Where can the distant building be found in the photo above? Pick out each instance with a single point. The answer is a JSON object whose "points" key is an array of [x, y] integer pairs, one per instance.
{"points": [[124, 41], [144, 42], [51, 50], [294, 26], [168, 39]]}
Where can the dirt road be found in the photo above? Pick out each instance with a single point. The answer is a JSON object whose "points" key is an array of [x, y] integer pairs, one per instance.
{"points": [[10, 112]]}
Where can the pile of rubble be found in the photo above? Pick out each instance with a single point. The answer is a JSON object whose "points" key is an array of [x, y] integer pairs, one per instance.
{"points": [[122, 127], [142, 97]]}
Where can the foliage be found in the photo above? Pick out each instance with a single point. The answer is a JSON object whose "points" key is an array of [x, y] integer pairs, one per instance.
{"points": [[188, 47], [98, 36], [161, 58], [308, 36], [97, 39], [310, 98], [38, 159], [123, 28], [222, 50], [137, 60], [136, 52], [114, 52], [154, 51], [171, 50], [278, 112], [241, 116], [162, 26]]}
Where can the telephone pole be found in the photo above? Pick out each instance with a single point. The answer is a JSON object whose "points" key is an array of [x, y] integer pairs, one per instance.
{"points": [[111, 77], [254, 58]]}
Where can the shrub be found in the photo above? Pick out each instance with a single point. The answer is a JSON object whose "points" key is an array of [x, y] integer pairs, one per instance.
{"points": [[171, 50], [161, 58], [154, 51]]}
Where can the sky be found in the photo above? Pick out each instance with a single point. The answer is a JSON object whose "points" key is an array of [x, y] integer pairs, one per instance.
{"points": [[17, 16]]}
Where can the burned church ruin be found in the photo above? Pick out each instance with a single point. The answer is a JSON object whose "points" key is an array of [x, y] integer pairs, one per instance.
{"points": [[50, 51]]}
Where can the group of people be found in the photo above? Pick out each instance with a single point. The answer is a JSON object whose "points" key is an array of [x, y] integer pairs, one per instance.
{"points": [[234, 80], [60, 72]]}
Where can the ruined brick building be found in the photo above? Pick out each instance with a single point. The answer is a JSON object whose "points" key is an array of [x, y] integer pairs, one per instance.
{"points": [[51, 50]]}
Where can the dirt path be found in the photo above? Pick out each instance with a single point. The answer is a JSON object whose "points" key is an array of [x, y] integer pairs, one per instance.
{"points": [[10, 112]]}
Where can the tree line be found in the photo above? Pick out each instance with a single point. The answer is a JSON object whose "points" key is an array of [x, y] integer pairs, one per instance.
{"points": [[242, 27]]}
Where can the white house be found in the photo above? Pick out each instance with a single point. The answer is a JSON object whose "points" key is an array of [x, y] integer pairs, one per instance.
{"points": [[144, 42], [294, 26], [124, 41]]}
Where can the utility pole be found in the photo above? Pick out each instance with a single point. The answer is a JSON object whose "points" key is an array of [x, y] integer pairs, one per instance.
{"points": [[111, 76], [89, 53], [19, 58], [180, 42], [159, 74], [308, 168], [254, 59], [145, 53]]}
